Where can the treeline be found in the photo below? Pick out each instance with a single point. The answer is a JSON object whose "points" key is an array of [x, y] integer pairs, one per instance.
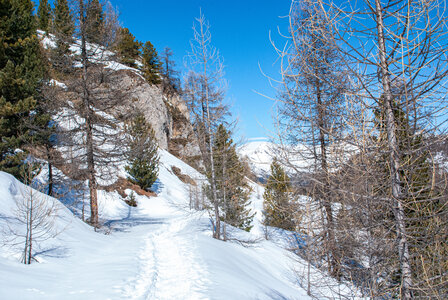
{"points": [[364, 96]]}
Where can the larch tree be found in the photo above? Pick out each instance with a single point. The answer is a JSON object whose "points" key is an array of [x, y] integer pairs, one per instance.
{"points": [[92, 135], [402, 75], [204, 92], [394, 54], [311, 104], [35, 213]]}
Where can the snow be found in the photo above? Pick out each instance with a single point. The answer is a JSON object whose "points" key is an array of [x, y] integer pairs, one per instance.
{"points": [[260, 154], [159, 250], [96, 53], [58, 83]]}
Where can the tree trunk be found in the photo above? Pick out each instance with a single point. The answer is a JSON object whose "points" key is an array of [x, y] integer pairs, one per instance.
{"points": [[88, 124], [28, 229], [30, 226], [394, 157], [217, 232], [224, 196], [333, 263], [50, 180]]}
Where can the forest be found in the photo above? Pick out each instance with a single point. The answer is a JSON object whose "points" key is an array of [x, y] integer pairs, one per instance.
{"points": [[357, 178]]}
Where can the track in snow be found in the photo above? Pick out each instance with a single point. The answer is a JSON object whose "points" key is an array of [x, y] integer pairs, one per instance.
{"points": [[170, 268]]}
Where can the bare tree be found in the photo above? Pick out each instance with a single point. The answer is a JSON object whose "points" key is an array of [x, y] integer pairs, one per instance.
{"points": [[204, 92], [402, 77], [311, 108], [391, 190], [34, 222], [91, 133], [394, 55]]}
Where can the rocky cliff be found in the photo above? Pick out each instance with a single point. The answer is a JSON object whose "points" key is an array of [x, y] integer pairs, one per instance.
{"points": [[168, 116]]}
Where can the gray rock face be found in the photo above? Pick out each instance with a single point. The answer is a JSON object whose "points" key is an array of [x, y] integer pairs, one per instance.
{"points": [[148, 100], [168, 117]]}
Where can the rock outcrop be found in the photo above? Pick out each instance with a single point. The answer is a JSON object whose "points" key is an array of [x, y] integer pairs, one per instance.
{"points": [[168, 117]]}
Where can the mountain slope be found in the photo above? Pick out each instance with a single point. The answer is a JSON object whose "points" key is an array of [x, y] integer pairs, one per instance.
{"points": [[159, 250]]}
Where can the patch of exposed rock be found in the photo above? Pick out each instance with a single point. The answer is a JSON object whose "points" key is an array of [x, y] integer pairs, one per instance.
{"points": [[168, 116]]}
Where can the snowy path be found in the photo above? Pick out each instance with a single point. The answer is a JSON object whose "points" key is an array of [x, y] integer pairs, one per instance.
{"points": [[169, 265], [159, 250]]}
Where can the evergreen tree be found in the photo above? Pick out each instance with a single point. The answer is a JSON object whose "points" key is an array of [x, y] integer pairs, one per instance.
{"points": [[63, 29], [63, 24], [421, 200], [231, 185], [43, 14], [128, 48], [277, 205], [169, 74], [143, 156], [94, 22], [151, 64], [21, 75]]}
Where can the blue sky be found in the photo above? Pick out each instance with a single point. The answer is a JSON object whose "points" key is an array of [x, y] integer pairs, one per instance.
{"points": [[240, 30]]}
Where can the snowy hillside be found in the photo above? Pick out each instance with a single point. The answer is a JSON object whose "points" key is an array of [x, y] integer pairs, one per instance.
{"points": [[259, 155], [159, 250]]}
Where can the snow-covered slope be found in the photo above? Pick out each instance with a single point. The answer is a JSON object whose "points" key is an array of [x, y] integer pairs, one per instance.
{"points": [[259, 155], [159, 250]]}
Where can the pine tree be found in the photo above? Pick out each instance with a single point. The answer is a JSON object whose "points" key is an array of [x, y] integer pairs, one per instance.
{"points": [[21, 75], [63, 29], [278, 210], [151, 64], [421, 200], [169, 74], [143, 156], [231, 185], [128, 48], [63, 24], [94, 22], [43, 14]]}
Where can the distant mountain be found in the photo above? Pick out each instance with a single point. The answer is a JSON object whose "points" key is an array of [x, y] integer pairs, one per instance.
{"points": [[259, 155]]}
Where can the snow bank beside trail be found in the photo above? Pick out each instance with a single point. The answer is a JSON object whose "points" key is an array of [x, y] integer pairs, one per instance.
{"points": [[12, 190], [158, 250]]}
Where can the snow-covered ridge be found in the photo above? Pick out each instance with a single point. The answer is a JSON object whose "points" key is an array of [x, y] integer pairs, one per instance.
{"points": [[260, 155]]}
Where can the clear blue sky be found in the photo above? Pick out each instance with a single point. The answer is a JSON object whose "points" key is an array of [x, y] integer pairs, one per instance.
{"points": [[240, 30]]}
